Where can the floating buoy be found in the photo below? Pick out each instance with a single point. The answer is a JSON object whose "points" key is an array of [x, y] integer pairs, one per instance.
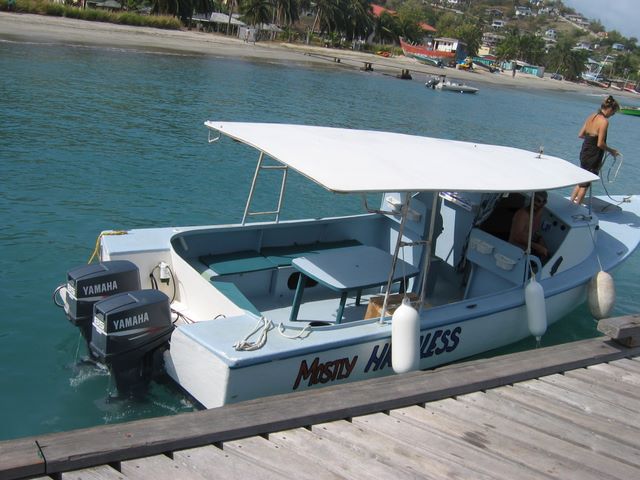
{"points": [[601, 295], [405, 338], [536, 308]]}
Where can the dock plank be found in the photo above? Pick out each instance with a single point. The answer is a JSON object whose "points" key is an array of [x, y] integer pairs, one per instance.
{"points": [[590, 389], [158, 467], [421, 462], [213, 463], [561, 410], [280, 459], [577, 428], [608, 381], [618, 372], [493, 442], [587, 404], [516, 430], [442, 443], [21, 458], [101, 472], [627, 363], [340, 460]]}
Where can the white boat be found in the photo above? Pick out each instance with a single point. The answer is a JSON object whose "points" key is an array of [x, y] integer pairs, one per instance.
{"points": [[450, 85], [255, 309]]}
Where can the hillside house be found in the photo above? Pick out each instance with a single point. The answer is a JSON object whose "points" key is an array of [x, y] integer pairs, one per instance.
{"points": [[523, 12]]}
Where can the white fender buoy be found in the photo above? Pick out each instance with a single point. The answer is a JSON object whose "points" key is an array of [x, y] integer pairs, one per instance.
{"points": [[536, 308], [405, 338], [601, 295]]}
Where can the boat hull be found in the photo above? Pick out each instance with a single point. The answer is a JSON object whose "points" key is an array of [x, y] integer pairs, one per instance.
{"points": [[459, 88], [215, 378], [427, 55], [635, 111]]}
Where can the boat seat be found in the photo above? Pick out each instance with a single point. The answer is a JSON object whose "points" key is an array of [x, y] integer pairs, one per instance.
{"points": [[283, 256], [233, 293], [269, 258], [237, 262], [496, 264]]}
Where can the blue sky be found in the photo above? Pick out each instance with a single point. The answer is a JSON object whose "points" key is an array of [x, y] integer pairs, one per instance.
{"points": [[621, 15]]}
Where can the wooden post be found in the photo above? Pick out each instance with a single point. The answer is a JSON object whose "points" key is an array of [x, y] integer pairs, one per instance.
{"points": [[624, 330]]}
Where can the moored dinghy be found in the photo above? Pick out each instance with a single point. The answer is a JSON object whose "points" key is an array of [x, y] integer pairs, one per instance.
{"points": [[626, 110], [440, 83], [281, 306]]}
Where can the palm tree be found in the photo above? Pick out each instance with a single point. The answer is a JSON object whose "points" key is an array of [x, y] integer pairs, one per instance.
{"points": [[386, 28], [357, 19], [287, 11], [563, 59], [256, 12], [471, 35], [327, 15], [231, 5]]}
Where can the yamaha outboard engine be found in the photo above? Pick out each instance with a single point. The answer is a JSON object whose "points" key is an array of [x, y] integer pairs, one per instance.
{"points": [[89, 284], [130, 332]]}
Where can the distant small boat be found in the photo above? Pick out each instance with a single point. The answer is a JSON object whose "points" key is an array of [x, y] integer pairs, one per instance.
{"points": [[630, 111], [450, 86]]}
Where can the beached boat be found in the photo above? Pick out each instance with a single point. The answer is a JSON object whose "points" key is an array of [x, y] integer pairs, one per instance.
{"points": [[440, 83], [439, 52], [626, 110], [242, 311]]}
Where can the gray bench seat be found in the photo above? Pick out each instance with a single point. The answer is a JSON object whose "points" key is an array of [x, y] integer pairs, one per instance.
{"points": [[268, 258]]}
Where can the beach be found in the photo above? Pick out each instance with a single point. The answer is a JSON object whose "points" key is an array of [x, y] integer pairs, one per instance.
{"points": [[57, 30]]}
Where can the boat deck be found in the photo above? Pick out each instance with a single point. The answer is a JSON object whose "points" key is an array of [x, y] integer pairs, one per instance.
{"points": [[568, 411]]}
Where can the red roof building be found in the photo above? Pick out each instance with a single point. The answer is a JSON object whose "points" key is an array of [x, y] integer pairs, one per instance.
{"points": [[379, 10], [426, 27]]}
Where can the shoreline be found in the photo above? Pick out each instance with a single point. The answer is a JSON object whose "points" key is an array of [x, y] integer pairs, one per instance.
{"points": [[41, 29]]}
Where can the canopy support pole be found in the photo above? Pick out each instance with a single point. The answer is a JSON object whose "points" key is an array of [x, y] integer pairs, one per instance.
{"points": [[427, 254], [403, 219], [531, 205]]}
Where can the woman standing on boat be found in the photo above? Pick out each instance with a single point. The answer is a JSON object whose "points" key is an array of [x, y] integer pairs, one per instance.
{"points": [[594, 133]]}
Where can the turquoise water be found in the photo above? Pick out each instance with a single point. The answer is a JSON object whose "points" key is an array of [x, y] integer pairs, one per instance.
{"points": [[95, 138]]}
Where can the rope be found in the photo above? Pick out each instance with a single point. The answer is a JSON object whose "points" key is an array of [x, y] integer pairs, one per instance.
{"points": [[617, 170], [263, 326], [594, 247], [610, 180], [304, 333], [97, 248]]}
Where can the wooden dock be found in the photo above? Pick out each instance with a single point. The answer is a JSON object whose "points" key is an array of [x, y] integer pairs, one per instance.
{"points": [[568, 411]]}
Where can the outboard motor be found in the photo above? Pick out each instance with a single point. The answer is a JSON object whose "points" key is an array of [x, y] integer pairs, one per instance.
{"points": [[130, 332], [432, 82], [89, 284]]}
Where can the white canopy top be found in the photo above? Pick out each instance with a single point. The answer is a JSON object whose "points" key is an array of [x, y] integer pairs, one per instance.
{"points": [[349, 161]]}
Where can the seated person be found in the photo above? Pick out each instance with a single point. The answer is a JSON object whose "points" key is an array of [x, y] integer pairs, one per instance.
{"points": [[519, 234]]}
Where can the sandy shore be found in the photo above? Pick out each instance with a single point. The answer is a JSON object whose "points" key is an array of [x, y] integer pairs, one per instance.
{"points": [[56, 30]]}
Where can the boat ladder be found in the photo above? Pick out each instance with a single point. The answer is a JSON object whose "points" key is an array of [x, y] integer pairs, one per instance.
{"points": [[259, 167]]}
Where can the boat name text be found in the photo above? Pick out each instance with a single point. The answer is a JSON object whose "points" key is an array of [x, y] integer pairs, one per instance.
{"points": [[433, 343], [325, 372]]}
